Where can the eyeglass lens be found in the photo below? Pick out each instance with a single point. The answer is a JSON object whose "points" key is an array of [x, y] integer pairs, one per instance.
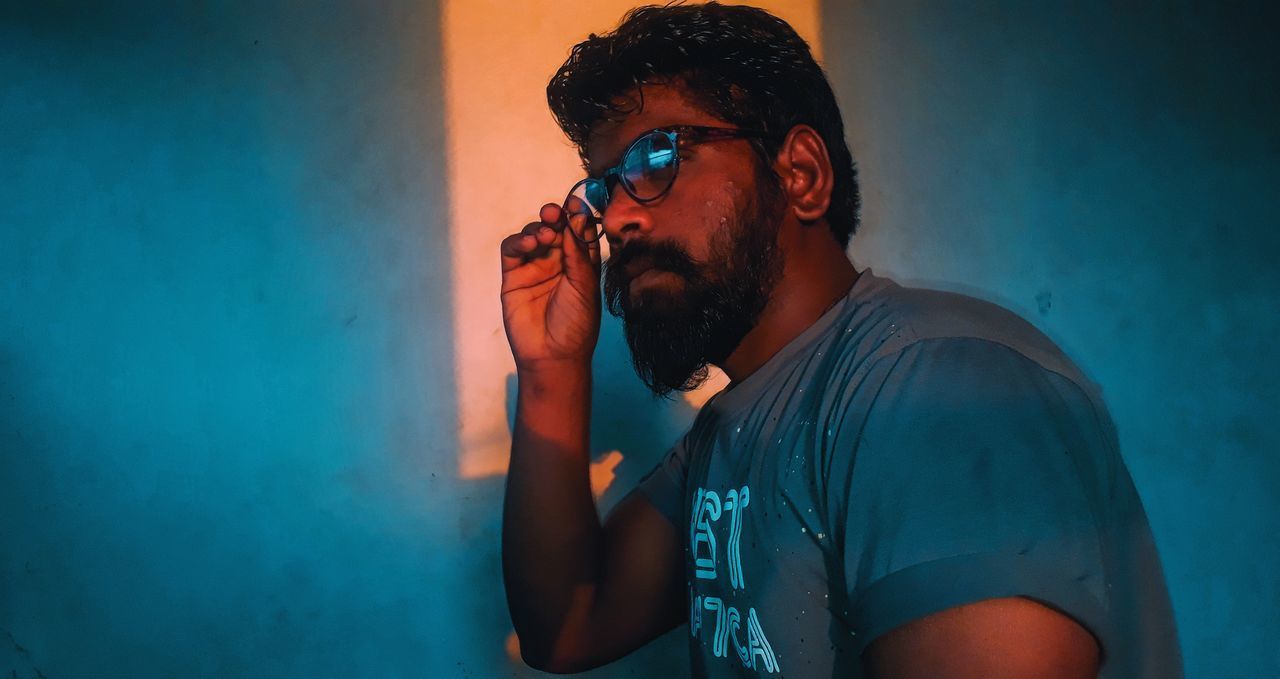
{"points": [[650, 166], [646, 172]]}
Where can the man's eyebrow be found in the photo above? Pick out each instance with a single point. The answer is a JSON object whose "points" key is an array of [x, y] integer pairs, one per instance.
{"points": [[586, 164], [596, 174]]}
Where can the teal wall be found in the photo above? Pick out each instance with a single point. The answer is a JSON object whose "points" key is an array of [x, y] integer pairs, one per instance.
{"points": [[226, 374], [225, 361], [1109, 173]]}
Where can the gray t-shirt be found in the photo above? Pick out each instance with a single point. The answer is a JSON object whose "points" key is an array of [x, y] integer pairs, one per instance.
{"points": [[912, 451]]}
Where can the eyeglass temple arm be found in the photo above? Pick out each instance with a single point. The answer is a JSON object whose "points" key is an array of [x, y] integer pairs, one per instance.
{"points": [[719, 132]]}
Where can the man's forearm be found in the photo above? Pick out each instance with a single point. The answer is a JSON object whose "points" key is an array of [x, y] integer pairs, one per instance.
{"points": [[550, 529]]}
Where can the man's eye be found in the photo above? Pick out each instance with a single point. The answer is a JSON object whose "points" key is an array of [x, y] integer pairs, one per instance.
{"points": [[660, 158]]}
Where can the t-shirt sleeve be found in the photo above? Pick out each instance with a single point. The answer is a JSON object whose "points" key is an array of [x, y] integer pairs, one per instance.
{"points": [[972, 479], [664, 485]]}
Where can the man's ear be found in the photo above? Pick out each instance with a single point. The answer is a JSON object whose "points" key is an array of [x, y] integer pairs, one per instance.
{"points": [[805, 170]]}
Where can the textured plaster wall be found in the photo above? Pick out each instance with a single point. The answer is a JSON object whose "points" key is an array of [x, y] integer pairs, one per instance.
{"points": [[1110, 173], [226, 431]]}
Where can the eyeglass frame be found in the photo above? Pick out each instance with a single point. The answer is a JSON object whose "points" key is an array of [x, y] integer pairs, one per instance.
{"points": [[704, 133]]}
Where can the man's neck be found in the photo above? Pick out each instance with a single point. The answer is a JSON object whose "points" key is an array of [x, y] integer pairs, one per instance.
{"points": [[816, 275]]}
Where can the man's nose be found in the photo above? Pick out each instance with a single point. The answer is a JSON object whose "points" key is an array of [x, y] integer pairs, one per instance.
{"points": [[625, 219]]}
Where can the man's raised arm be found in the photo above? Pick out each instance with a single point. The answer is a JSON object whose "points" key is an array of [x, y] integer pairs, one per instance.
{"points": [[581, 594]]}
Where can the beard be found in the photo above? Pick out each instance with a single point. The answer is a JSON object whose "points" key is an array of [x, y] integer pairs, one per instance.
{"points": [[674, 336]]}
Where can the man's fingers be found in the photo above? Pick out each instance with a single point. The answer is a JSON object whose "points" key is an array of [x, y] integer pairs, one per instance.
{"points": [[550, 213], [578, 254], [579, 225], [593, 251], [516, 248], [545, 233], [533, 241], [536, 238]]}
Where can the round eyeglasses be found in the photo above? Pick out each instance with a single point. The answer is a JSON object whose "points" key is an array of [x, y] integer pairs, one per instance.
{"points": [[647, 171]]}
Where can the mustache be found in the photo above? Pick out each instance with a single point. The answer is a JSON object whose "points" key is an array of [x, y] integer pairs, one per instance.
{"points": [[661, 255]]}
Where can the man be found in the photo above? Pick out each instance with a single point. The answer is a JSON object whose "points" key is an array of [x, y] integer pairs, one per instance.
{"points": [[896, 483]]}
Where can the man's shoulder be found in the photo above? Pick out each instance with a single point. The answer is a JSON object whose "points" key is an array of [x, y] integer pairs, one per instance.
{"points": [[907, 316]]}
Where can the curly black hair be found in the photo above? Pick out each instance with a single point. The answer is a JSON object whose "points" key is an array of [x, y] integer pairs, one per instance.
{"points": [[740, 64]]}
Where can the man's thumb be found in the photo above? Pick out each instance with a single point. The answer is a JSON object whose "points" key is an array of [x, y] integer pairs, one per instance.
{"points": [[578, 258]]}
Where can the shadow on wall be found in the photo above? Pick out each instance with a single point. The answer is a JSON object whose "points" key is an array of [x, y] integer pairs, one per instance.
{"points": [[21, 456]]}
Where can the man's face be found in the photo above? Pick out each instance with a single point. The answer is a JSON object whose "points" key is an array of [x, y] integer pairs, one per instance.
{"points": [[690, 272]]}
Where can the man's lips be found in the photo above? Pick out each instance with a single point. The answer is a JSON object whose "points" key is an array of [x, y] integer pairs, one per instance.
{"points": [[651, 278], [647, 275], [635, 269]]}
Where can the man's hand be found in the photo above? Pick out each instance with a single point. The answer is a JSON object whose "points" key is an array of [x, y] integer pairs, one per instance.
{"points": [[550, 292]]}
